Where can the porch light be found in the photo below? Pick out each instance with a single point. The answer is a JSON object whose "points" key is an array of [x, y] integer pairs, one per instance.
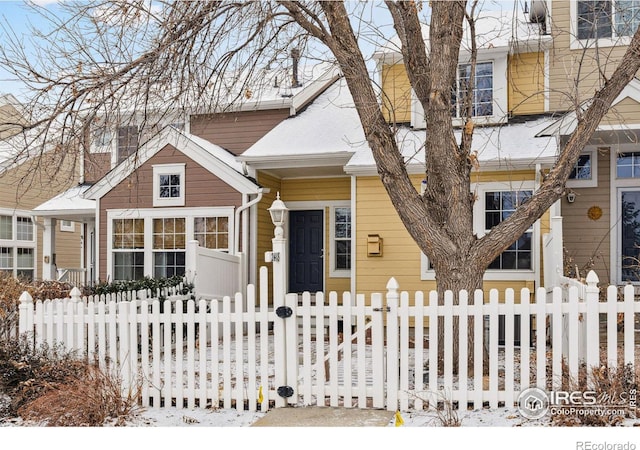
{"points": [[278, 212]]}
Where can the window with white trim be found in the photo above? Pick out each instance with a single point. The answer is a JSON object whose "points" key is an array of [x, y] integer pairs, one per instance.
{"points": [[152, 242], [342, 239], [482, 96], [499, 205], [168, 185], [628, 165], [128, 249], [67, 225], [585, 172], [607, 19], [212, 232], [169, 242], [17, 246]]}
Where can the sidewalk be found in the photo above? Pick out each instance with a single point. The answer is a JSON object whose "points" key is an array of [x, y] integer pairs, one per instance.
{"points": [[324, 417]]}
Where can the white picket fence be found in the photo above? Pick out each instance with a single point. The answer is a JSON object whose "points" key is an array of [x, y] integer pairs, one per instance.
{"points": [[333, 350]]}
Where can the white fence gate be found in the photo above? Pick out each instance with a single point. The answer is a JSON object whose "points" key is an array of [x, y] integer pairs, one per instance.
{"points": [[339, 351]]}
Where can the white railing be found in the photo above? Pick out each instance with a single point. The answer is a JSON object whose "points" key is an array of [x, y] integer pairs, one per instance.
{"points": [[75, 277], [383, 355]]}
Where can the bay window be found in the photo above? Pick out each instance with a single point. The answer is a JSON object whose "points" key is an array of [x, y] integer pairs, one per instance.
{"points": [[17, 245]]}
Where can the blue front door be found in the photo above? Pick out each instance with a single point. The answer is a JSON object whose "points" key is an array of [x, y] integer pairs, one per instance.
{"points": [[306, 251]]}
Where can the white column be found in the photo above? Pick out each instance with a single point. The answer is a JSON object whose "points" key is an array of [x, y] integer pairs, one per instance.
{"points": [[279, 267], [49, 271]]}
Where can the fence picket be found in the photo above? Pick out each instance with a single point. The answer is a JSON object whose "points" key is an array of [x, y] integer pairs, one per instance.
{"points": [[167, 353], [612, 326], [156, 352], [403, 346], [433, 388], [418, 339], [478, 350], [252, 389], [525, 338], [541, 370], [393, 368], [361, 350], [321, 368], [592, 321], [377, 350], [448, 344], [264, 339], [307, 380], [509, 338], [347, 349], [333, 349], [227, 389], [629, 308], [493, 348], [179, 337], [556, 340], [239, 351], [214, 347], [573, 320], [191, 360]]}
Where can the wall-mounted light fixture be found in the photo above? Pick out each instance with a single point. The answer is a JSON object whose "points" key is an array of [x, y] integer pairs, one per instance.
{"points": [[571, 196]]}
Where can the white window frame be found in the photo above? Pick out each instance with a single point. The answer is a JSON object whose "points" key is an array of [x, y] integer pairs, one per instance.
{"points": [[579, 44], [67, 226], [333, 271], [148, 214], [16, 243], [168, 169], [498, 58], [593, 181], [427, 274]]}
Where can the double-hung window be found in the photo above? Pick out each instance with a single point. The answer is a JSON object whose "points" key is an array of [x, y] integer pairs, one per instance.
{"points": [[128, 249], [585, 172], [169, 243], [598, 19], [482, 91], [17, 246]]}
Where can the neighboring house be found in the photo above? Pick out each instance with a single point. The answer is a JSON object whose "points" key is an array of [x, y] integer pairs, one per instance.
{"points": [[144, 197], [26, 180]]}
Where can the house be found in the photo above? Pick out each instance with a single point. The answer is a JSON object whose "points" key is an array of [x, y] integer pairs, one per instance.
{"points": [[27, 179], [145, 194], [344, 232]]}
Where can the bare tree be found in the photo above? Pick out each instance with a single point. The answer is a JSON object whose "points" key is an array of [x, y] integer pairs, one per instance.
{"points": [[166, 56]]}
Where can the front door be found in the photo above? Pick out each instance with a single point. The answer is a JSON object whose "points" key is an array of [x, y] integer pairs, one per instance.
{"points": [[306, 251]]}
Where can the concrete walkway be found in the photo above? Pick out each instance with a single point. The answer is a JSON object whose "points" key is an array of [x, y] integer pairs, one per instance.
{"points": [[324, 417]]}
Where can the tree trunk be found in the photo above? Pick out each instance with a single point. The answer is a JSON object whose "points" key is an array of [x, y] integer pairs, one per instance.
{"points": [[461, 276]]}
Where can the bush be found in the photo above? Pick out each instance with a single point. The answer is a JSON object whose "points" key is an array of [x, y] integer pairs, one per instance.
{"points": [[10, 290], [146, 283], [51, 386]]}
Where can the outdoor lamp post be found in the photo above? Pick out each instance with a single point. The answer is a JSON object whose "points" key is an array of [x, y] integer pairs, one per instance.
{"points": [[278, 212]]}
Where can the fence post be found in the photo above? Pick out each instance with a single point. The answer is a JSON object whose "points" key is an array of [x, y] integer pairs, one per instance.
{"points": [[191, 258], [593, 320], [25, 324], [393, 370]]}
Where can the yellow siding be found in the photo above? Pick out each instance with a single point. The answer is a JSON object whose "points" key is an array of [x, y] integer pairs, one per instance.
{"points": [[9, 117], [396, 97], [526, 83], [626, 111], [401, 256], [297, 190]]}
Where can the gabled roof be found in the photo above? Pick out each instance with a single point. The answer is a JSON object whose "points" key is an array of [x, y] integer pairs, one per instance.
{"points": [[325, 134], [69, 204], [210, 156], [566, 124]]}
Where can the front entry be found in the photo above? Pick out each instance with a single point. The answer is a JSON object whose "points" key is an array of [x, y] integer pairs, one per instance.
{"points": [[306, 251]]}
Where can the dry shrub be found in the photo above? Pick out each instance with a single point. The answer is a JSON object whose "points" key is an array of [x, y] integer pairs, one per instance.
{"points": [[27, 372], [10, 290], [613, 387], [94, 399]]}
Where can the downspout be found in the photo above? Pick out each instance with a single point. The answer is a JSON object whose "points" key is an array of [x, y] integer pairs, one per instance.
{"points": [[240, 210]]}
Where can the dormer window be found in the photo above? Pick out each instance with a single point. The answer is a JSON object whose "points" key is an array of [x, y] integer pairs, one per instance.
{"points": [[168, 185], [606, 19], [482, 98]]}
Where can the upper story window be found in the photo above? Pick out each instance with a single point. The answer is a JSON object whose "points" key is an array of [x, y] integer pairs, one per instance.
{"points": [[342, 239], [168, 185], [482, 96], [597, 19], [585, 172], [128, 137]]}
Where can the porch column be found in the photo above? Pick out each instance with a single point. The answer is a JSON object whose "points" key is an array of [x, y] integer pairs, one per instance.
{"points": [[49, 271]]}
